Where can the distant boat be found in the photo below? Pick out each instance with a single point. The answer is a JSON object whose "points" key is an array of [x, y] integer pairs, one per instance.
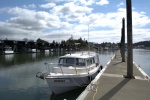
{"points": [[51, 50], [35, 51], [105, 48], [72, 71], [47, 51], [8, 50]]}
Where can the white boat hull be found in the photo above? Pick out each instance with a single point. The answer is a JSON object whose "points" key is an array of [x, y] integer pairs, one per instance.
{"points": [[64, 84], [8, 52], [71, 72]]}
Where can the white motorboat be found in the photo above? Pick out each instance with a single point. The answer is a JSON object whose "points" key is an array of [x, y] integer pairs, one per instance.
{"points": [[72, 71], [35, 51], [8, 50]]}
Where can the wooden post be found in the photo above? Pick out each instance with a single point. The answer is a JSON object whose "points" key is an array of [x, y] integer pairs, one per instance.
{"points": [[129, 40], [15, 48], [2, 42], [123, 40], [121, 44]]}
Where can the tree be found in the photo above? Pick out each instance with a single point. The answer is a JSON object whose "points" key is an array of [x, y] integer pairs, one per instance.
{"points": [[26, 39], [53, 42], [41, 41]]}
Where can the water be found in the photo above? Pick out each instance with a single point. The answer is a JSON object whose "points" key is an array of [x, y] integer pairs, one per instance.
{"points": [[18, 71], [142, 58], [17, 76]]}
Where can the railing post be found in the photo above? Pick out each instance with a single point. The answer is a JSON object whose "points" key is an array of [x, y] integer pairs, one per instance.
{"points": [[129, 39]]}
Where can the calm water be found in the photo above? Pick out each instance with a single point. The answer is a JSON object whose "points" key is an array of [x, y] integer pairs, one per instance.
{"points": [[18, 71], [142, 58]]}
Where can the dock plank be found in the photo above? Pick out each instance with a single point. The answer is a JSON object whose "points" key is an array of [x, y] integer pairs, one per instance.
{"points": [[113, 86]]}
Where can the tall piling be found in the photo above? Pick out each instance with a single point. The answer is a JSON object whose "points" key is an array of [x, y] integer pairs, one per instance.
{"points": [[123, 40], [129, 39]]}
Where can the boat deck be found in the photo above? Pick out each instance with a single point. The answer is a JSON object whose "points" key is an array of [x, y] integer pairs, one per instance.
{"points": [[111, 84]]}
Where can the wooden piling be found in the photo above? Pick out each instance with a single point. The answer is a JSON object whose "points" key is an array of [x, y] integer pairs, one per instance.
{"points": [[129, 39], [123, 40]]}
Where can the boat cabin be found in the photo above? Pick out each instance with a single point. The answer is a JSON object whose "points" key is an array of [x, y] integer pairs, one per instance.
{"points": [[78, 60]]}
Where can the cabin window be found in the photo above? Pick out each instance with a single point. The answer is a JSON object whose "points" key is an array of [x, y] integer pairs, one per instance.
{"points": [[80, 62], [61, 61], [93, 60], [70, 61], [89, 61], [66, 61]]}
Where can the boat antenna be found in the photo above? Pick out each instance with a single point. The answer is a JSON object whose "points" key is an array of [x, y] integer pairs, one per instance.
{"points": [[58, 42], [88, 40]]}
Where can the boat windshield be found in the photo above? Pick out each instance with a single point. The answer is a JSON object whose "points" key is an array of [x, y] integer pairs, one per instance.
{"points": [[80, 62], [66, 61], [71, 62]]}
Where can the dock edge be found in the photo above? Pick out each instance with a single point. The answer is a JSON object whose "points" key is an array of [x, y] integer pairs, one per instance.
{"points": [[86, 91]]}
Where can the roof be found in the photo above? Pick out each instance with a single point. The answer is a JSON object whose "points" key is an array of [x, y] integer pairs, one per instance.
{"points": [[83, 55]]}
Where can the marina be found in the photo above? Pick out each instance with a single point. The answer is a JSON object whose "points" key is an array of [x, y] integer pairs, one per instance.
{"points": [[18, 80], [107, 71], [14, 46], [18, 76]]}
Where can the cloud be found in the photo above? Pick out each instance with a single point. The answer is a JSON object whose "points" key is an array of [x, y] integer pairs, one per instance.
{"points": [[78, 2], [29, 6], [56, 1], [120, 4], [21, 12], [140, 19], [48, 5], [7, 30], [102, 2], [71, 17], [86, 2], [70, 8], [108, 20], [32, 20], [141, 34], [71, 12]]}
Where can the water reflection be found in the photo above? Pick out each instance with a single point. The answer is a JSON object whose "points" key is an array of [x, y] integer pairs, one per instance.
{"points": [[47, 53], [9, 57], [52, 53], [34, 55], [71, 95], [15, 59]]}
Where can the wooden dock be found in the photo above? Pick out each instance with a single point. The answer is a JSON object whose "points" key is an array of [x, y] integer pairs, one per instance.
{"points": [[111, 84]]}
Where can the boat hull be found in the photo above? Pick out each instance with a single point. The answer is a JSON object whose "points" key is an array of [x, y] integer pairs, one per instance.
{"points": [[67, 83], [8, 52]]}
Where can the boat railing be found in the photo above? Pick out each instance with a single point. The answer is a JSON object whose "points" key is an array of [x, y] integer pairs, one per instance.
{"points": [[49, 66], [63, 68]]}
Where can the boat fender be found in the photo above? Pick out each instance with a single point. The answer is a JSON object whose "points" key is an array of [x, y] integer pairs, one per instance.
{"points": [[41, 75], [90, 78], [97, 64], [101, 67], [38, 74]]}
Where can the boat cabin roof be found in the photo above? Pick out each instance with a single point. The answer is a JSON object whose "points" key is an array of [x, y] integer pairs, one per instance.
{"points": [[82, 55]]}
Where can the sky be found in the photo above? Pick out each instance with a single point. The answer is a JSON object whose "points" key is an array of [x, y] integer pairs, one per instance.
{"points": [[60, 19]]}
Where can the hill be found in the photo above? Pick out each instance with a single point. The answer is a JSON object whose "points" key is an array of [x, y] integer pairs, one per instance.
{"points": [[142, 43]]}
